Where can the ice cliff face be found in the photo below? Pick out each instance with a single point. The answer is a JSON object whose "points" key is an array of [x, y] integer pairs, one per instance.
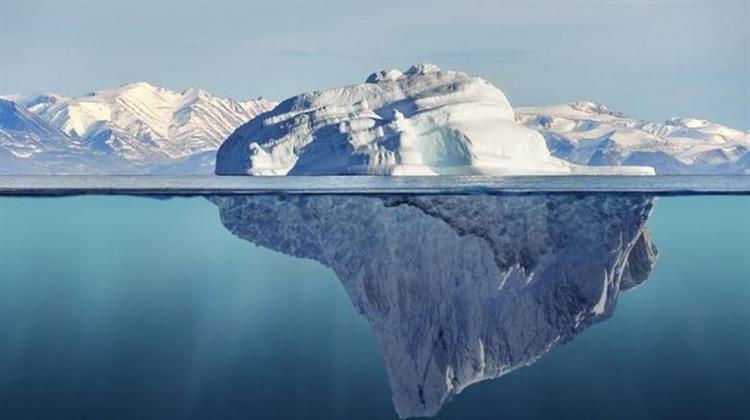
{"points": [[459, 289], [426, 121], [588, 133]]}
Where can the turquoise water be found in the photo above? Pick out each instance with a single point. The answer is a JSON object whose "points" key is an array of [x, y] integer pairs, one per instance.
{"points": [[125, 307]]}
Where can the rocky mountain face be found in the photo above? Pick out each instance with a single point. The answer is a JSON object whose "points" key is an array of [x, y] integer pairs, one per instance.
{"points": [[461, 289]]}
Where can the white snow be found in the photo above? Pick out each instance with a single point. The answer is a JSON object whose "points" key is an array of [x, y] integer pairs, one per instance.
{"points": [[142, 121], [23, 134], [587, 133], [425, 121], [133, 129]]}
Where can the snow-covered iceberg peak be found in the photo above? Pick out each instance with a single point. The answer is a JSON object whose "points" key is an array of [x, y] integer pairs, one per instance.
{"points": [[425, 121]]}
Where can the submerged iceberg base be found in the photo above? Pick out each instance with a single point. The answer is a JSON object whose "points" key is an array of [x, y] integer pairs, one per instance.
{"points": [[459, 289]]}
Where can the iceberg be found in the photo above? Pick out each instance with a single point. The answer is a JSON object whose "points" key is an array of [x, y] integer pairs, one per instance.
{"points": [[461, 289], [425, 121]]}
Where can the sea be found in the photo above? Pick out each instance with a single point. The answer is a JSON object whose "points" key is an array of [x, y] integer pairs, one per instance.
{"points": [[374, 298]]}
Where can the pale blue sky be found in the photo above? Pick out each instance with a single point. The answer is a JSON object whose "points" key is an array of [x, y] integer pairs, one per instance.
{"points": [[652, 60]]}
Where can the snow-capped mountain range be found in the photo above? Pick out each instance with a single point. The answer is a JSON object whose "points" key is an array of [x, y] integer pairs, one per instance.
{"points": [[24, 133], [139, 128], [588, 133], [136, 128]]}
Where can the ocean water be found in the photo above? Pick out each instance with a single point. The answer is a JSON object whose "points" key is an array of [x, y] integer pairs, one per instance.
{"points": [[367, 307]]}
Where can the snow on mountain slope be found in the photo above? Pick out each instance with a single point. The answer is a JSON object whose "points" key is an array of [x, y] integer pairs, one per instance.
{"points": [[426, 121], [23, 134], [459, 289], [587, 133], [134, 129], [145, 122], [41, 102]]}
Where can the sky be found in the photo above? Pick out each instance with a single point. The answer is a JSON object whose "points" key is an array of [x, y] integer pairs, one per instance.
{"points": [[650, 59]]}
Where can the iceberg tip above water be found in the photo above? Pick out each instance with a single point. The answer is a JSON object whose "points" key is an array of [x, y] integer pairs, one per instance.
{"points": [[425, 121]]}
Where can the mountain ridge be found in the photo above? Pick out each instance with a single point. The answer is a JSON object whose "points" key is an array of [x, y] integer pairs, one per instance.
{"points": [[142, 128], [136, 127], [589, 133]]}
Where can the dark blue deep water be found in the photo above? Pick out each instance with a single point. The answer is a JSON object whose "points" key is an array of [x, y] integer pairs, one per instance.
{"points": [[138, 308]]}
